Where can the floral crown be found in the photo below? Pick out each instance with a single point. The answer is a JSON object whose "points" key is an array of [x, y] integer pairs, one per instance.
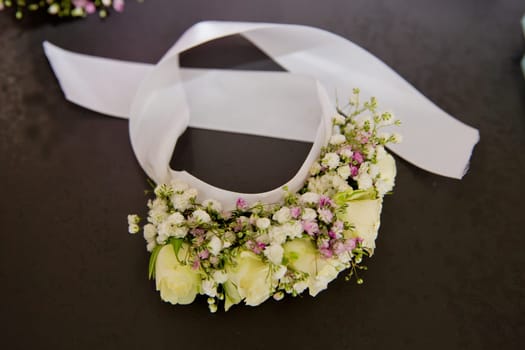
{"points": [[259, 250]]}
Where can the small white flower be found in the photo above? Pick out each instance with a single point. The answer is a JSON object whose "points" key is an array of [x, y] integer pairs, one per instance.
{"points": [[293, 229], [176, 218], [315, 169], [344, 171], [106, 2], [191, 193], [398, 138], [149, 232], [339, 184], [283, 215], [277, 235], [178, 186], [151, 245], [339, 119], [279, 272], [133, 228], [212, 204], [364, 181], [384, 135], [274, 253], [337, 139], [262, 223], [220, 276], [309, 214], [331, 160], [209, 288], [201, 216], [347, 152], [373, 170], [349, 127], [310, 198], [215, 245], [299, 287], [179, 232], [133, 219], [380, 152], [180, 202]]}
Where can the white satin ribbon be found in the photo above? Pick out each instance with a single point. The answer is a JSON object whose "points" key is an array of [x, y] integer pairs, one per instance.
{"points": [[158, 99]]}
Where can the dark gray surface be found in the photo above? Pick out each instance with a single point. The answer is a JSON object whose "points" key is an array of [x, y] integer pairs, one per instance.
{"points": [[448, 270]]}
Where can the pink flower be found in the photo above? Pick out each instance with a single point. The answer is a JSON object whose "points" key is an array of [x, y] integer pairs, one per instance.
{"points": [[325, 215], [241, 204], [354, 170], [310, 227], [118, 5], [326, 252], [325, 201], [358, 157], [338, 227], [196, 264], [204, 254], [295, 211], [90, 8]]}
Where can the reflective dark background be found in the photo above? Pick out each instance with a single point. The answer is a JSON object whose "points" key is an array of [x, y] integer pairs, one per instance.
{"points": [[449, 266]]}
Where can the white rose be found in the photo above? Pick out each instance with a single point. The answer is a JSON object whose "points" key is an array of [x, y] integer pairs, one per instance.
{"points": [[177, 283], [364, 215], [262, 223], [331, 160], [251, 276], [310, 198], [201, 216], [274, 253], [326, 273], [212, 204], [302, 256], [282, 215], [337, 139], [344, 171], [215, 245], [387, 174]]}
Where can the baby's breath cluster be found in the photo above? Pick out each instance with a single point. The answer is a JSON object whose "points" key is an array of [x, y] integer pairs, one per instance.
{"points": [[63, 8], [260, 250]]}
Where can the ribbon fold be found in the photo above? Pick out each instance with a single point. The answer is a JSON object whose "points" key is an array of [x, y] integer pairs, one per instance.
{"points": [[162, 100]]}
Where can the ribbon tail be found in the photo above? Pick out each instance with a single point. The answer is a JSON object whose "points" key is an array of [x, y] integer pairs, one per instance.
{"points": [[103, 85]]}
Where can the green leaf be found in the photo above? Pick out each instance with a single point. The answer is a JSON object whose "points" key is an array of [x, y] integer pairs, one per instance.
{"points": [[176, 243], [153, 261]]}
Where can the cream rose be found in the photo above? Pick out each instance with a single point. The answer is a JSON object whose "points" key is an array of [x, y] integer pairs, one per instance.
{"points": [[177, 283], [364, 215], [302, 256], [251, 278]]}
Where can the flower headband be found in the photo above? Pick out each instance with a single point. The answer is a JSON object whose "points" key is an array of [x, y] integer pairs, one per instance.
{"points": [[232, 246]]}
